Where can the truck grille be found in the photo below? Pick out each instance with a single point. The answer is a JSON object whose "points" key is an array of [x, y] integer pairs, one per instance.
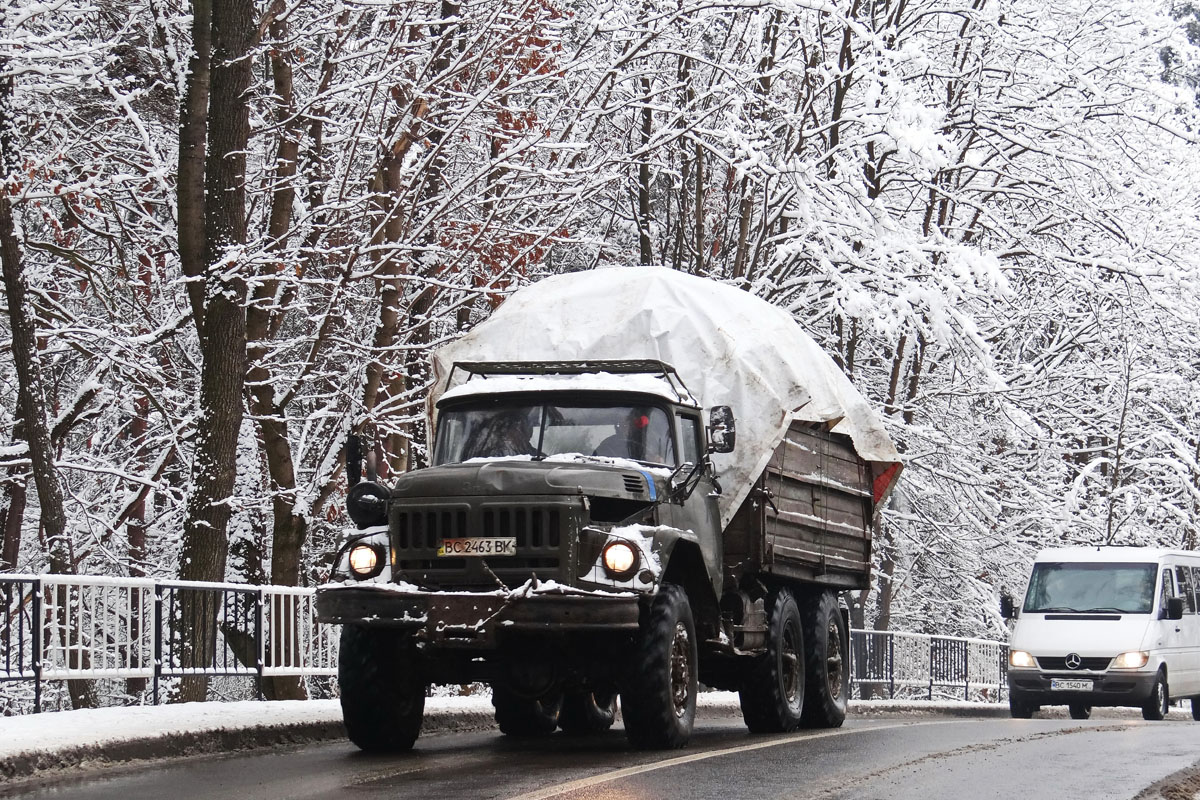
{"points": [[543, 534], [1094, 663]]}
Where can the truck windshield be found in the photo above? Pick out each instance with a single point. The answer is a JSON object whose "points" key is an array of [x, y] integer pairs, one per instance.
{"points": [[491, 429], [1078, 587]]}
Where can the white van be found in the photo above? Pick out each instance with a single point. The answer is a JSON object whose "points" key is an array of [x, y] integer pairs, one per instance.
{"points": [[1106, 626]]}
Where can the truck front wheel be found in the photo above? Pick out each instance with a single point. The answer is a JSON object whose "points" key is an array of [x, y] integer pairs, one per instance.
{"points": [[827, 690], [520, 716], [772, 693], [658, 694], [382, 689]]}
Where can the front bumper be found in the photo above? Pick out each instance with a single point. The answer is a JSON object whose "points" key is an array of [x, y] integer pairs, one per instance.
{"points": [[1109, 688], [476, 620]]}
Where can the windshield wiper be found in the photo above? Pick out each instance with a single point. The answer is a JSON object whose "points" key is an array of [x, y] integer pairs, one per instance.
{"points": [[1107, 610], [1057, 610]]}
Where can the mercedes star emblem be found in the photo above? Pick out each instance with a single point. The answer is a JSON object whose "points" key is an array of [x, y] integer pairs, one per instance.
{"points": [[1074, 661]]}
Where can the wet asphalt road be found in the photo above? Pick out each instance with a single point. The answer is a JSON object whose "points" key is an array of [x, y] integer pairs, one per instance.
{"points": [[896, 758]]}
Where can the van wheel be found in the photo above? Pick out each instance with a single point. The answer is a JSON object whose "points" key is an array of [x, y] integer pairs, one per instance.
{"points": [[587, 712], [521, 716], [1196, 708], [1079, 711], [1019, 705], [772, 692], [658, 692], [1155, 707], [382, 690], [827, 677]]}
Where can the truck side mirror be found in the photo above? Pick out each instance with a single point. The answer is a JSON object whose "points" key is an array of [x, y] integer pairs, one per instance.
{"points": [[1008, 609], [1174, 608], [722, 433]]}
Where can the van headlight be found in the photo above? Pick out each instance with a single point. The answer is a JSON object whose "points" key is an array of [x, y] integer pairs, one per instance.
{"points": [[1134, 659], [1019, 658]]}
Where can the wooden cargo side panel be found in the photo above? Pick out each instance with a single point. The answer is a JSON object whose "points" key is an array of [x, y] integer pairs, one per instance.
{"points": [[819, 526]]}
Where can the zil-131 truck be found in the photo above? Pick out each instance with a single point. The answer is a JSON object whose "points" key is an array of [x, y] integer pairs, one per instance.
{"points": [[595, 525]]}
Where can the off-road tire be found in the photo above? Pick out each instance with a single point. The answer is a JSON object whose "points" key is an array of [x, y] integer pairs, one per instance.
{"points": [[1019, 706], [587, 712], [1079, 710], [382, 689], [826, 668], [772, 692], [524, 717], [1156, 705], [658, 691]]}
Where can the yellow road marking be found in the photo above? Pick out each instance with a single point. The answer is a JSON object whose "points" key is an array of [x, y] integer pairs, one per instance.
{"points": [[584, 783]]}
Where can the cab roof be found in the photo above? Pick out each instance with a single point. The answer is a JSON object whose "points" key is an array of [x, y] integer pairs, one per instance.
{"points": [[1110, 554]]}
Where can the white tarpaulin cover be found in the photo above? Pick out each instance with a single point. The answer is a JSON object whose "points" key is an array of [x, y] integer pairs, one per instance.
{"points": [[728, 346]]}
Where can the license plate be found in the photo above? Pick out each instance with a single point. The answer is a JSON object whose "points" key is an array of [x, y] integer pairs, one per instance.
{"points": [[490, 546], [1061, 685]]}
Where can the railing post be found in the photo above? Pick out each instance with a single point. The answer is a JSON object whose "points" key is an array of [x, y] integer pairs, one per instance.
{"points": [[37, 645], [966, 650], [259, 642], [932, 657], [158, 637], [891, 665]]}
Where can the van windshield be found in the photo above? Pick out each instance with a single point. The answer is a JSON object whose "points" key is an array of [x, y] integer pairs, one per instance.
{"points": [[1078, 587], [487, 428]]}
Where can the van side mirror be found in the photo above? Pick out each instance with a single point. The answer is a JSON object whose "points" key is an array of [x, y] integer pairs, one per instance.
{"points": [[722, 433], [1174, 608], [1008, 609]]}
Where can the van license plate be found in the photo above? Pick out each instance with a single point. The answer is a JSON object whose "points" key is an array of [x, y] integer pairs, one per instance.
{"points": [[490, 546], [1060, 685]]}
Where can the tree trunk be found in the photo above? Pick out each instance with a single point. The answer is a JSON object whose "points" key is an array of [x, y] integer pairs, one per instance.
{"points": [[223, 333], [31, 387], [193, 132]]}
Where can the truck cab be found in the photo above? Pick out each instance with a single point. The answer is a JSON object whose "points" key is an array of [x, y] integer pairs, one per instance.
{"points": [[560, 499]]}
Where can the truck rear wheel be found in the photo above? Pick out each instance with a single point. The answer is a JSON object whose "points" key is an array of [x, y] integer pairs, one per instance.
{"points": [[827, 685], [382, 689], [521, 716], [588, 712], [772, 693], [658, 694]]}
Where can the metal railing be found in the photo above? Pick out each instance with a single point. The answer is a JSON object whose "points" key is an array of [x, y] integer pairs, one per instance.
{"points": [[57, 628], [920, 666], [68, 627]]}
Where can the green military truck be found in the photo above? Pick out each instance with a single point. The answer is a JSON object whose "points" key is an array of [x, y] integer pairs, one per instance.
{"points": [[595, 527]]}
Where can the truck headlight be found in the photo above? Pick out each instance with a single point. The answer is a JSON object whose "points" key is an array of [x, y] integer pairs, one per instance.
{"points": [[1019, 658], [1134, 659], [365, 561], [620, 559]]}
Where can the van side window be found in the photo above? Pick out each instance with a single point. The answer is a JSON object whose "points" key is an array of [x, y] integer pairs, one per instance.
{"points": [[1196, 580], [1168, 591], [1183, 578]]}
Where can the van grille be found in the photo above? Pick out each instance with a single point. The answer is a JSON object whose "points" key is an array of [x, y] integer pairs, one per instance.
{"points": [[634, 484], [1094, 663]]}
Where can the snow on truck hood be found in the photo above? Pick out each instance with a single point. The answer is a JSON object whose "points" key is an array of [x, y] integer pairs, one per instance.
{"points": [[728, 346]]}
